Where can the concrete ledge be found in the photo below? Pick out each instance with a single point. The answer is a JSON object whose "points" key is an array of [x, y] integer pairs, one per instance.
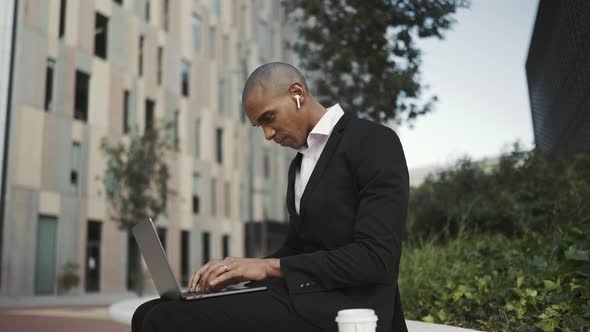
{"points": [[92, 299], [122, 312]]}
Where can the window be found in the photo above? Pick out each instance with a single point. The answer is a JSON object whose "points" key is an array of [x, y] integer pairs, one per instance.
{"points": [[197, 138], [49, 84], [235, 13], [93, 237], [126, 109], [172, 133], [196, 193], [225, 246], [227, 198], [243, 203], [206, 236], [217, 7], [149, 114], [46, 255], [212, 37], [62, 18], [81, 96], [221, 96], [147, 11], [213, 197], [110, 180], [159, 69], [166, 11], [244, 68], [101, 28], [186, 68], [219, 145], [263, 41], [196, 32], [247, 201], [226, 50], [266, 164], [162, 236], [185, 272], [140, 60], [75, 166]]}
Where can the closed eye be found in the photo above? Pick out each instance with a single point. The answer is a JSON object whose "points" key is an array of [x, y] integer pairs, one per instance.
{"points": [[266, 118]]}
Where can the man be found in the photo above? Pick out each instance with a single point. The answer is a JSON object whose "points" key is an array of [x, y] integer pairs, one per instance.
{"points": [[347, 199]]}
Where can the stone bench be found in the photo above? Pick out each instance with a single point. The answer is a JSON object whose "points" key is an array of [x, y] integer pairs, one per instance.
{"points": [[122, 312]]}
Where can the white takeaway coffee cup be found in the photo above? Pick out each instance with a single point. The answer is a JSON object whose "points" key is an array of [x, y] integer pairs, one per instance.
{"points": [[356, 320]]}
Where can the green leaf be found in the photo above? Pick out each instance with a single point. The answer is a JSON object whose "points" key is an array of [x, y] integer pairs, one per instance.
{"points": [[519, 281], [576, 323], [550, 285], [577, 254], [540, 262], [428, 319], [531, 292]]}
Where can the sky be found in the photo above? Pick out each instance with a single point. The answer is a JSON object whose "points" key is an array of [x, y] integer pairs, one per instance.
{"points": [[478, 74]]}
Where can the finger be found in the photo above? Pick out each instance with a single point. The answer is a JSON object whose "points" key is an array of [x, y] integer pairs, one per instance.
{"points": [[216, 271], [197, 276], [193, 282], [210, 274], [226, 279], [205, 273]]}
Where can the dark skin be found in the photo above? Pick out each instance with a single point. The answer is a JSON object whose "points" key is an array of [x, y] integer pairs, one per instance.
{"points": [[277, 114]]}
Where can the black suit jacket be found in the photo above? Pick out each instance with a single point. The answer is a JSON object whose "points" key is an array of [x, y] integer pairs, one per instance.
{"points": [[343, 249]]}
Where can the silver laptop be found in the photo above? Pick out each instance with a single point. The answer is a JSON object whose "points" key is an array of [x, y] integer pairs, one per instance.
{"points": [[166, 284]]}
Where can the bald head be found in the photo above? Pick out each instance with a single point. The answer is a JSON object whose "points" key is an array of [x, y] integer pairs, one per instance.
{"points": [[274, 78]]}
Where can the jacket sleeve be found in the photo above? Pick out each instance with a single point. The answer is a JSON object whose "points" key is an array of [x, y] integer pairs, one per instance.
{"points": [[380, 172]]}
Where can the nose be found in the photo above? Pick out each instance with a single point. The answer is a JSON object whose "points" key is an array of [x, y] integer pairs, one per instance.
{"points": [[269, 133]]}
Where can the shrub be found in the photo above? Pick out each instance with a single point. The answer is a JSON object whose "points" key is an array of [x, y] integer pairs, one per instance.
{"points": [[493, 283], [505, 248], [520, 193], [69, 278]]}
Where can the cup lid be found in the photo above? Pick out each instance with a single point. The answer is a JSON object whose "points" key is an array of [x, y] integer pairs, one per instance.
{"points": [[356, 316], [356, 312]]}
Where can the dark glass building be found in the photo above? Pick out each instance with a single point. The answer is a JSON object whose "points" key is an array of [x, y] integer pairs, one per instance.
{"points": [[558, 75]]}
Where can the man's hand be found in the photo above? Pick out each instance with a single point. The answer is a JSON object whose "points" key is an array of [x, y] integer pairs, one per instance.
{"points": [[214, 275]]}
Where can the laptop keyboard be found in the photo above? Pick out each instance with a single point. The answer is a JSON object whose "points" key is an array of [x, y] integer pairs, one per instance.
{"points": [[191, 293]]}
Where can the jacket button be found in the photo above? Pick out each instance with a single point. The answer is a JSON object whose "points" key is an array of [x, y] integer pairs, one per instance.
{"points": [[301, 285], [308, 284]]}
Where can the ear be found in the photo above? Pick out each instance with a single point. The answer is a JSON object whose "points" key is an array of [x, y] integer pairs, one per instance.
{"points": [[297, 89]]}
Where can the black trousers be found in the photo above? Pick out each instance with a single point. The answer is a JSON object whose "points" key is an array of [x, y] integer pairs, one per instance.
{"points": [[269, 310]]}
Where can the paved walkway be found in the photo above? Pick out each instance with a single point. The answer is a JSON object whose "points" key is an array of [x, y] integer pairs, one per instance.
{"points": [[59, 319], [98, 299], [63, 313]]}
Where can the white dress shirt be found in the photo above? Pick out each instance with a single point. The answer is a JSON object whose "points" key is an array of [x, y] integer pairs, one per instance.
{"points": [[316, 141]]}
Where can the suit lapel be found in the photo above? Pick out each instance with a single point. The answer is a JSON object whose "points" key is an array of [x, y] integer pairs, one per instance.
{"points": [[295, 164], [324, 160]]}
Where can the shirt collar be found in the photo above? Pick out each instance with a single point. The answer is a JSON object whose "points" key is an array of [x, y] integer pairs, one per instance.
{"points": [[324, 127]]}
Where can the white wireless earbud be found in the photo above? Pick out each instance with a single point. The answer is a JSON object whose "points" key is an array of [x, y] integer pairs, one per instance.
{"points": [[298, 102]]}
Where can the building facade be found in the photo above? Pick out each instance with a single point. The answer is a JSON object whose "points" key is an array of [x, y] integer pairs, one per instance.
{"points": [[558, 76], [90, 70]]}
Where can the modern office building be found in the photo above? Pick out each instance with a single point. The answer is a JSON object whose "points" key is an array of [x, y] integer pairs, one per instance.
{"points": [[558, 75], [86, 70]]}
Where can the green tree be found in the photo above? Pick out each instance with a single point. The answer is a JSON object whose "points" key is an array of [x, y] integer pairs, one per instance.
{"points": [[136, 181], [362, 53]]}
